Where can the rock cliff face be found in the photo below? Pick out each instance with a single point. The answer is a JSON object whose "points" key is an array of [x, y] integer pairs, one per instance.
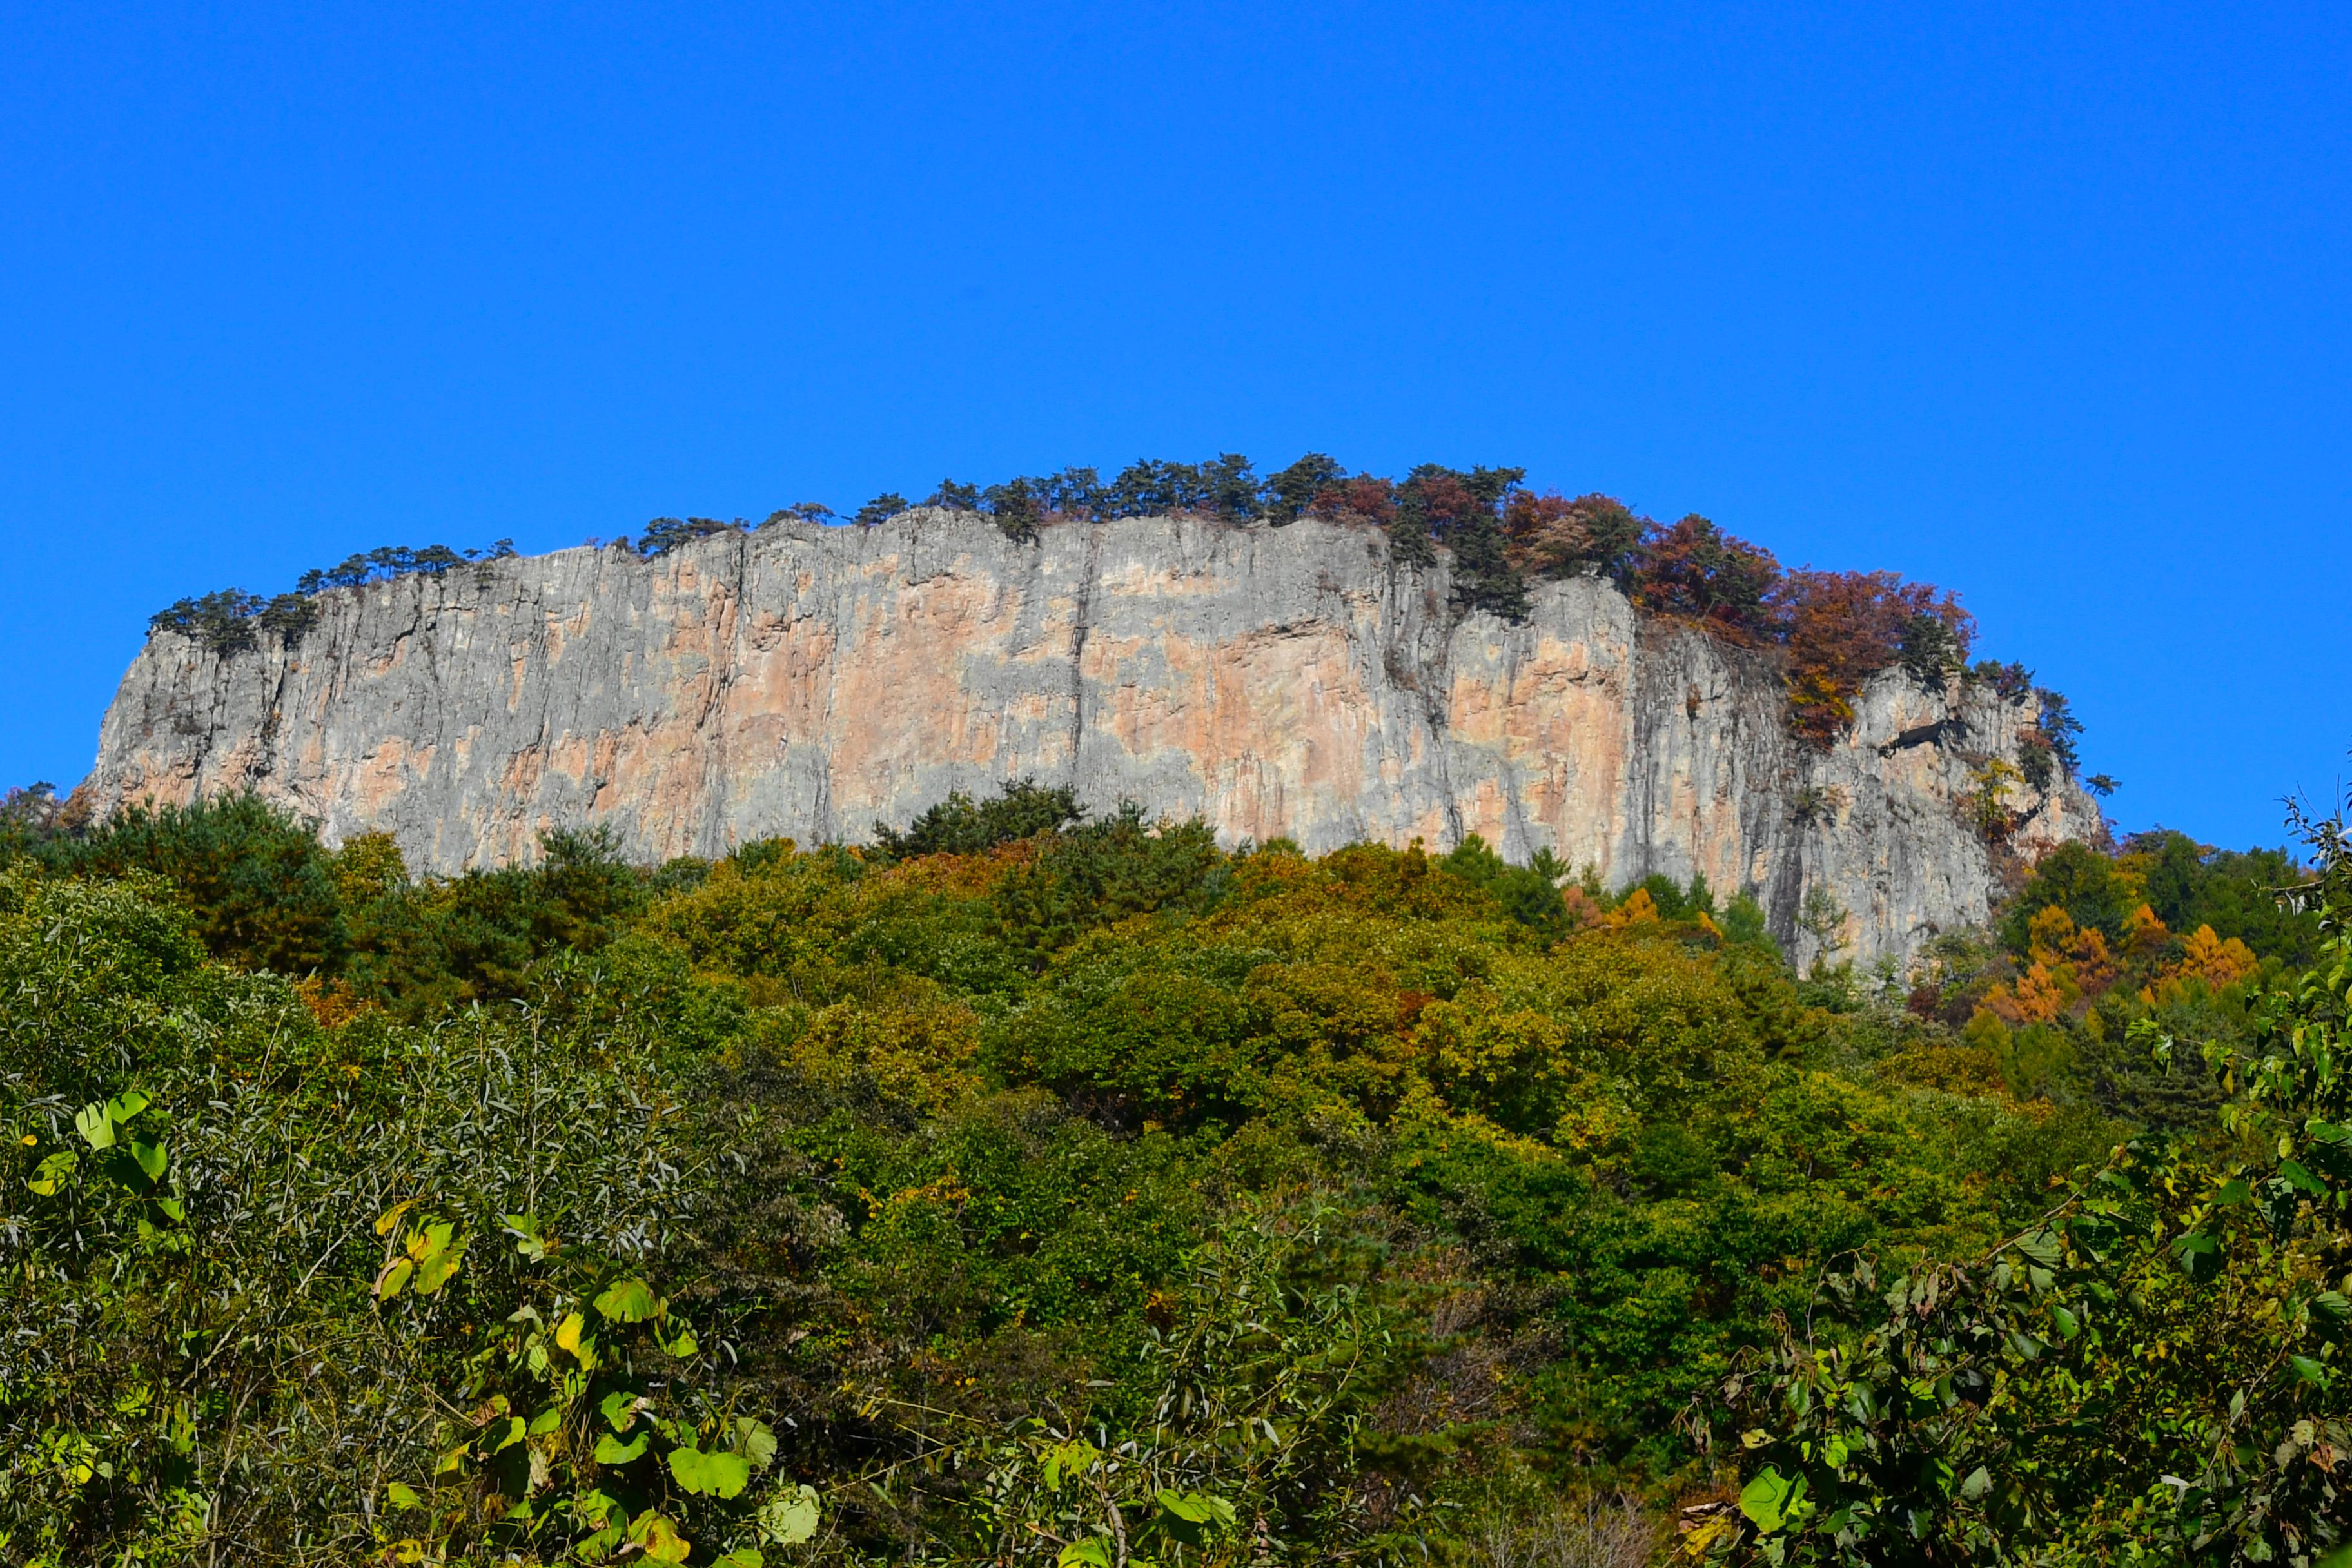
{"points": [[808, 681]]}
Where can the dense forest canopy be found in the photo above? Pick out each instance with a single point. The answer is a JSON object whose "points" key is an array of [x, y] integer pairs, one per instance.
{"points": [[1039, 1188], [1830, 630]]}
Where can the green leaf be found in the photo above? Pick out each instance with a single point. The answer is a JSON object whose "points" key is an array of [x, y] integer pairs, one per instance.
{"points": [[51, 1174], [788, 1517], [528, 1243], [611, 1450], [620, 1408], [95, 1126], [2043, 1247], [658, 1538], [2331, 1306], [400, 1495], [395, 1275], [1979, 1483], [759, 1442], [1072, 1458], [1194, 1516], [436, 1251], [2308, 1370], [2064, 1320], [627, 1301], [153, 1158], [716, 1474], [1094, 1553], [1197, 1507], [126, 1105], [685, 1463], [744, 1557], [2296, 1175], [435, 1271], [1761, 1499]]}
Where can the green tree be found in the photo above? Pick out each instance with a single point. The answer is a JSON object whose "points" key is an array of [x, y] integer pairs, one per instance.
{"points": [[261, 888], [1292, 490], [2078, 879], [1022, 808]]}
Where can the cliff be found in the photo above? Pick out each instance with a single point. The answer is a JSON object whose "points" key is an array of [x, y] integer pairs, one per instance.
{"points": [[807, 681]]}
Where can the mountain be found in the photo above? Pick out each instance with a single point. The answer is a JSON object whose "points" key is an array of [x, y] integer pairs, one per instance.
{"points": [[1301, 681]]}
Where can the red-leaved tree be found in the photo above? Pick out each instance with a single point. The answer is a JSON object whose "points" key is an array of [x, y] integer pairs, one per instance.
{"points": [[1842, 627], [1695, 571]]}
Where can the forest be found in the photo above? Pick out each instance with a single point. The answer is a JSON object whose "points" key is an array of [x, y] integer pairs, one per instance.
{"points": [[1029, 1187]]}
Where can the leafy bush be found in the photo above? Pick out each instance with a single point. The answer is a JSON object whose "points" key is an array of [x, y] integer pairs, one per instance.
{"points": [[391, 560], [2148, 1370]]}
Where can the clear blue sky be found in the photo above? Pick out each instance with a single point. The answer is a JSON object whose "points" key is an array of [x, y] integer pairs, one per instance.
{"points": [[2046, 304]]}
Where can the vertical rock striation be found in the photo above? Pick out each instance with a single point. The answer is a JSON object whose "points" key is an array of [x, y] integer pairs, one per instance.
{"points": [[1291, 681]]}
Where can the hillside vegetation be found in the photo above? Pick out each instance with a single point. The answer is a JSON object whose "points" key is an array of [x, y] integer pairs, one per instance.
{"points": [[1034, 1189]]}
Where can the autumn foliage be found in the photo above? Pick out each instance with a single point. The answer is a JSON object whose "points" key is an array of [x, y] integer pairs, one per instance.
{"points": [[1841, 628], [1836, 628]]}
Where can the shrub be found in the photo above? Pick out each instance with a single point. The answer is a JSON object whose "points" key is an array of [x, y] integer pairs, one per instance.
{"points": [[2143, 1371], [2081, 881], [1364, 498], [231, 620]]}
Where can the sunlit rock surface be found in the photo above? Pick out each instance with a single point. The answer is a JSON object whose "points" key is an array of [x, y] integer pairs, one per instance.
{"points": [[1296, 681]]}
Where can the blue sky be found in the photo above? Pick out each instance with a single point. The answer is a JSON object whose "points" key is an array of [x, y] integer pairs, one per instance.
{"points": [[2045, 304]]}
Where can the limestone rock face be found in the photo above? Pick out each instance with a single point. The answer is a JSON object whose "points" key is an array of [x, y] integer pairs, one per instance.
{"points": [[1297, 682]]}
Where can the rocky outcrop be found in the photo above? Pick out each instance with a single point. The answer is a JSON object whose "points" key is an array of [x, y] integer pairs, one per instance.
{"points": [[1294, 681]]}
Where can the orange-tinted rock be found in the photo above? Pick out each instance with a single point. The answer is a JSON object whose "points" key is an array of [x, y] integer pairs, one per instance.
{"points": [[807, 681]]}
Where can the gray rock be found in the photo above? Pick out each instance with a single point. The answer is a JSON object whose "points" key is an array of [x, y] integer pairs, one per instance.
{"points": [[1297, 681]]}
